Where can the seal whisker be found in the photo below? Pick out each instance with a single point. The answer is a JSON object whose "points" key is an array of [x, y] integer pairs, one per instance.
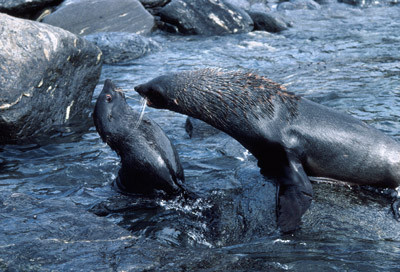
{"points": [[125, 92], [134, 98], [144, 103]]}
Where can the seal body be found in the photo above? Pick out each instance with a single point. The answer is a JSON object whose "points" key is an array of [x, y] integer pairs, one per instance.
{"points": [[292, 138], [149, 162]]}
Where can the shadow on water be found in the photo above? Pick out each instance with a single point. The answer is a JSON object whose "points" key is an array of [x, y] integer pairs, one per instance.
{"points": [[340, 56]]}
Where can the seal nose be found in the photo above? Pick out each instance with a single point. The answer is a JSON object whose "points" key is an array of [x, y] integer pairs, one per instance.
{"points": [[140, 90], [109, 85]]}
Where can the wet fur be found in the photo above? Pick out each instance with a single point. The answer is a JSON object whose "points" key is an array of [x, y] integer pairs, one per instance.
{"points": [[291, 137], [231, 94], [150, 163]]}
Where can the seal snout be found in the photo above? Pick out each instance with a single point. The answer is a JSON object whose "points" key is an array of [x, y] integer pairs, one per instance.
{"points": [[140, 89], [109, 85], [143, 91]]}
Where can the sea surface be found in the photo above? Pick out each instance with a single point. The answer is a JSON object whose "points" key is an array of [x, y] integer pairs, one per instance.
{"points": [[343, 57]]}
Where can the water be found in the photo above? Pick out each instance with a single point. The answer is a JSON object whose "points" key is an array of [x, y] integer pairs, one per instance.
{"points": [[340, 56]]}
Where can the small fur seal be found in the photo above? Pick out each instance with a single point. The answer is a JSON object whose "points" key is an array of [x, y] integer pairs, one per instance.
{"points": [[292, 137], [150, 163]]}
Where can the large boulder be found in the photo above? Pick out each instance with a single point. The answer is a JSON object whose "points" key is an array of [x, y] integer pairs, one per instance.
{"points": [[47, 77], [89, 16], [268, 21], [25, 8], [204, 17], [122, 46]]}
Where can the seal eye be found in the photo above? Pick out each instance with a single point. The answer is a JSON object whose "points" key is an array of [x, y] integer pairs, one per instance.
{"points": [[108, 97]]}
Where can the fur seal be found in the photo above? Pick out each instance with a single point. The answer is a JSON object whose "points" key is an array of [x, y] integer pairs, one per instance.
{"points": [[293, 138], [150, 163]]}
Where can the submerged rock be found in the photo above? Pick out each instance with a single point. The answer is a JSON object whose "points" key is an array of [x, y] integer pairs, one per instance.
{"points": [[121, 46], [204, 17], [47, 77], [298, 4], [270, 22], [55, 234], [261, 5], [197, 128], [25, 8], [86, 17], [368, 3]]}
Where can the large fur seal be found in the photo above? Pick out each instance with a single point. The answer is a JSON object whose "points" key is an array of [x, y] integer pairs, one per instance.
{"points": [[291, 137], [150, 163]]}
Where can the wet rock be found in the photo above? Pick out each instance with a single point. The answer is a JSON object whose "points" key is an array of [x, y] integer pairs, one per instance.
{"points": [[204, 17], [122, 46], [86, 17], [55, 234], [197, 128], [256, 5], [270, 22], [47, 77], [298, 4], [154, 3], [368, 3], [326, 2], [25, 8]]}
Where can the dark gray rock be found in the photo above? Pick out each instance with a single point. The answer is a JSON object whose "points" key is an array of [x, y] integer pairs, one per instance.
{"points": [[25, 8], [368, 3], [197, 128], [204, 17], [154, 3], [90, 16], [47, 77], [121, 46], [271, 22], [56, 235], [299, 4]]}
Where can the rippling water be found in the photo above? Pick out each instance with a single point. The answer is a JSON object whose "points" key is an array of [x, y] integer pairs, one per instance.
{"points": [[340, 56]]}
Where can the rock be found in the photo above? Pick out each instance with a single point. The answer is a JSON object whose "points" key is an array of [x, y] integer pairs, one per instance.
{"points": [[298, 4], [253, 5], [259, 7], [197, 128], [368, 3], [90, 16], [204, 17], [62, 236], [271, 22], [154, 3], [47, 77], [243, 4], [121, 46], [25, 8]]}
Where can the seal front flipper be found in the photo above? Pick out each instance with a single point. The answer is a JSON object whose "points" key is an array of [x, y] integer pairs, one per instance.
{"points": [[294, 195]]}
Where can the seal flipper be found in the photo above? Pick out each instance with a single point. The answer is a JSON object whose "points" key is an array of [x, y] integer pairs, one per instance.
{"points": [[396, 204], [294, 195]]}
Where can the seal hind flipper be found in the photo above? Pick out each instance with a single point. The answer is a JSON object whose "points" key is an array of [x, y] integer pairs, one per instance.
{"points": [[396, 209], [294, 196], [396, 204]]}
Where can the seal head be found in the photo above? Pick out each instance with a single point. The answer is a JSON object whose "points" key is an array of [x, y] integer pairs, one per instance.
{"points": [[149, 162]]}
